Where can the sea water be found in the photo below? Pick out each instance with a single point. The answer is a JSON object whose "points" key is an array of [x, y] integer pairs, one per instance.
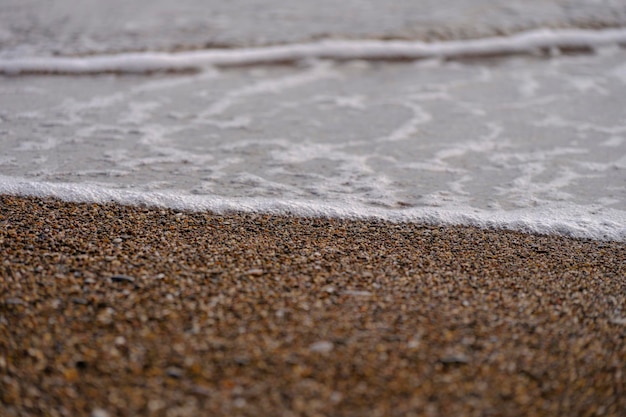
{"points": [[511, 131]]}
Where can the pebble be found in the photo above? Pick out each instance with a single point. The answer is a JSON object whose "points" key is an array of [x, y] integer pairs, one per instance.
{"points": [[122, 278], [99, 412], [174, 372], [357, 293], [322, 346], [454, 359]]}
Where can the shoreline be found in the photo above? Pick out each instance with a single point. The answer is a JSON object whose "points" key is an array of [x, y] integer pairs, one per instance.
{"points": [[600, 224], [113, 310]]}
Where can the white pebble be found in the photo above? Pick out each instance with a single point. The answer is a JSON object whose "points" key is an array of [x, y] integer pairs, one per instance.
{"points": [[99, 412], [321, 347]]}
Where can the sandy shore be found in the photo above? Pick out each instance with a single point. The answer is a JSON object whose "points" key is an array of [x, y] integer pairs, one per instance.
{"points": [[108, 310]]}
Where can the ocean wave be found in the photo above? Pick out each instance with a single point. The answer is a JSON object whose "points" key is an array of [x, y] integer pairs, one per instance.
{"points": [[142, 62]]}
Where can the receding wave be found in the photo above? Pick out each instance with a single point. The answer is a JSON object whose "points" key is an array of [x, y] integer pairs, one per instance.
{"points": [[143, 62], [572, 221]]}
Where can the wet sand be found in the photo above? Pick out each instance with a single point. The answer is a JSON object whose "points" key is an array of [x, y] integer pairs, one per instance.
{"points": [[109, 310]]}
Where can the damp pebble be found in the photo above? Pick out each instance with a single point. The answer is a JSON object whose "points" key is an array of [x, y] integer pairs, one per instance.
{"points": [[122, 278]]}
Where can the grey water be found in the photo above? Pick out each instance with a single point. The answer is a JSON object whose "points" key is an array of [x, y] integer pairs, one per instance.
{"points": [[533, 142]]}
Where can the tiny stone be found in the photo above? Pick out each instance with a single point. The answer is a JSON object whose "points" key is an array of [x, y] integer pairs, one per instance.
{"points": [[242, 361], [413, 343], [336, 397], [321, 347], [155, 405], [454, 359], [255, 272], [122, 278], [99, 412], [357, 293], [200, 390], [14, 301], [619, 320], [174, 372], [118, 240]]}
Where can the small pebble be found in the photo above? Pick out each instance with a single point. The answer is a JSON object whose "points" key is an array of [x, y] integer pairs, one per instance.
{"points": [[122, 278], [454, 359], [322, 346], [80, 300], [99, 412], [357, 293], [174, 372]]}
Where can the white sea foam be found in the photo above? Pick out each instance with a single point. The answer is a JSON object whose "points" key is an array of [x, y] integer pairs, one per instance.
{"points": [[526, 143], [525, 42], [593, 222]]}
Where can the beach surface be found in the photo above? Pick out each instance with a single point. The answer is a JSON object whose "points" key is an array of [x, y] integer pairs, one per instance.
{"points": [[112, 310]]}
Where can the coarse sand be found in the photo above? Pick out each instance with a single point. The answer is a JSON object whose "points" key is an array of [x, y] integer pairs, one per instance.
{"points": [[109, 310]]}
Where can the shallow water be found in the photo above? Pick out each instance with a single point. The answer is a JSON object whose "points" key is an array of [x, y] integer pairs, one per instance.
{"points": [[40, 27], [527, 142]]}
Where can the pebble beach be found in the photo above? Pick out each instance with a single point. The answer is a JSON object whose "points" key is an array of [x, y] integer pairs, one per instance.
{"points": [[112, 310]]}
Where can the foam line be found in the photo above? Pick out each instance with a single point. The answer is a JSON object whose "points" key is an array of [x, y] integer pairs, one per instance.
{"points": [[573, 221], [524, 42]]}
